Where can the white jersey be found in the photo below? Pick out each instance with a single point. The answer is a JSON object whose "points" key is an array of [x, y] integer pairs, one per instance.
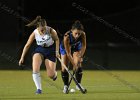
{"points": [[44, 40]]}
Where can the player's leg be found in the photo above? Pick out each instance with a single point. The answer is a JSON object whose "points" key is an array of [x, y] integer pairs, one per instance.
{"points": [[79, 72], [64, 73], [77, 61], [37, 60], [51, 69]]}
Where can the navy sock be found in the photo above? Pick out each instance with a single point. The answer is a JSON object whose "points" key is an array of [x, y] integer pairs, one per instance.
{"points": [[65, 77], [79, 74]]}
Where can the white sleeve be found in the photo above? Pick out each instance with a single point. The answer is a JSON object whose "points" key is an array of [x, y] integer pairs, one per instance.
{"points": [[35, 31]]}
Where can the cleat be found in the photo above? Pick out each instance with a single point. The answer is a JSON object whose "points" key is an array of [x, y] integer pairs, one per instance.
{"points": [[65, 90], [54, 78], [38, 91]]}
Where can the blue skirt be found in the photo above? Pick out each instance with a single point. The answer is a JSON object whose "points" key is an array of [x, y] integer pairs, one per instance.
{"points": [[73, 49], [47, 52]]}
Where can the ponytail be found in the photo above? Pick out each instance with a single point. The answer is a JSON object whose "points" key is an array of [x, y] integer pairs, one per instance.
{"points": [[34, 22]]}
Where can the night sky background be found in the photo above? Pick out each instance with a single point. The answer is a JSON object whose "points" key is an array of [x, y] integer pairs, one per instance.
{"points": [[61, 14], [110, 48]]}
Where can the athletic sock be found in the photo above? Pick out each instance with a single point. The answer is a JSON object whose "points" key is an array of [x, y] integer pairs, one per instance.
{"points": [[79, 74], [65, 77], [37, 80]]}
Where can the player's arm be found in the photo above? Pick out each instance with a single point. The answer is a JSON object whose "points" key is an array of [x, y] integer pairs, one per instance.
{"points": [[83, 49], [26, 47], [56, 39], [68, 49]]}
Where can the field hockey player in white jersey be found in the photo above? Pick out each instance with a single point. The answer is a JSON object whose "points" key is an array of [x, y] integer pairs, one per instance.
{"points": [[47, 50]]}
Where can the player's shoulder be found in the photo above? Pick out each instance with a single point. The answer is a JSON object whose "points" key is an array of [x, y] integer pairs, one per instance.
{"points": [[83, 33], [51, 30], [67, 34], [35, 31]]}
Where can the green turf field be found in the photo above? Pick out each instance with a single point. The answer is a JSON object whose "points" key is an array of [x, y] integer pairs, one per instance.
{"points": [[18, 85]]}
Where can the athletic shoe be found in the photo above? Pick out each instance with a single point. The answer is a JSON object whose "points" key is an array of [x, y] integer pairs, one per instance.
{"points": [[65, 90], [55, 77], [38, 91], [81, 87]]}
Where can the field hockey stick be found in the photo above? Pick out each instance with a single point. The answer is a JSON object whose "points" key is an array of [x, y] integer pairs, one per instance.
{"points": [[70, 82], [82, 90], [74, 71]]}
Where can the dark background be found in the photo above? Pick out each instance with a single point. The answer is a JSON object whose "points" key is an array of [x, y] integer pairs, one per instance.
{"points": [[105, 46]]}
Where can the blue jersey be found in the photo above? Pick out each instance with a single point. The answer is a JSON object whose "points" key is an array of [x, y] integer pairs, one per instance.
{"points": [[75, 44]]}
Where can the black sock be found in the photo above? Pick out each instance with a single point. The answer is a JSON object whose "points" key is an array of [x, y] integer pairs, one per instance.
{"points": [[65, 77], [79, 74]]}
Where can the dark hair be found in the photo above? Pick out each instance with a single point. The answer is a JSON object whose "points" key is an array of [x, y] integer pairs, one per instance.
{"points": [[77, 25], [37, 22]]}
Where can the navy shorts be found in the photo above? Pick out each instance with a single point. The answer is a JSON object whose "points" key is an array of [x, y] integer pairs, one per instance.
{"points": [[75, 49], [47, 52]]}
